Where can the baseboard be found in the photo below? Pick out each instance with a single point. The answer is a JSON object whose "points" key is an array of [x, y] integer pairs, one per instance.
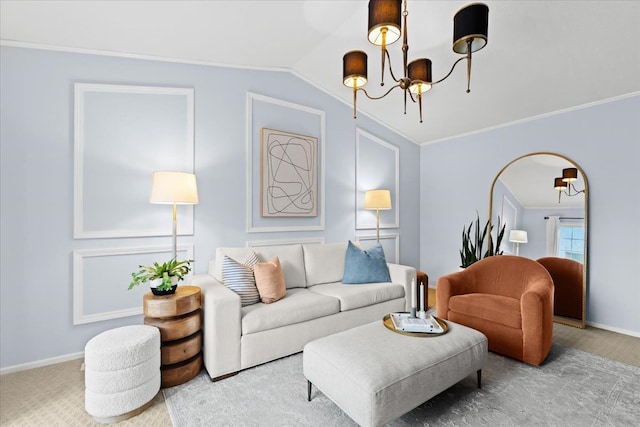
{"points": [[41, 363], [612, 329]]}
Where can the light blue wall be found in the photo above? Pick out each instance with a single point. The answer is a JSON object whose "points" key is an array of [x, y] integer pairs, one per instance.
{"points": [[604, 140], [37, 181]]}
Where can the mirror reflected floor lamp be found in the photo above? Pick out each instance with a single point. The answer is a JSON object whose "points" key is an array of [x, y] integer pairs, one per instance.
{"points": [[174, 188], [377, 200], [517, 237]]}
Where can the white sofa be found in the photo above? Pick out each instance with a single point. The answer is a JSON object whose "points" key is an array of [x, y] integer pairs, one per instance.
{"points": [[317, 304]]}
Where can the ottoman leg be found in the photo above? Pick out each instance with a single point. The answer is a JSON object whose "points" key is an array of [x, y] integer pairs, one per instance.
{"points": [[479, 378], [308, 391]]}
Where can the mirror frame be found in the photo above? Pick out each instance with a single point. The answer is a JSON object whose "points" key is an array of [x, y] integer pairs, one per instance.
{"points": [[558, 319]]}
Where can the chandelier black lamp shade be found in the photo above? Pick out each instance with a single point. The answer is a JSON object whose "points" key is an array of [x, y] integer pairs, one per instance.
{"points": [[564, 183], [470, 24], [419, 72], [569, 174], [559, 184], [354, 72], [387, 24], [384, 21], [470, 28]]}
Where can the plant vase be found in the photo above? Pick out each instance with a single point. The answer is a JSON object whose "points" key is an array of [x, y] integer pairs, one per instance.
{"points": [[157, 282]]}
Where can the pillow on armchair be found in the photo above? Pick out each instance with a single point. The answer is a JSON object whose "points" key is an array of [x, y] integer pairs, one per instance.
{"points": [[365, 266]]}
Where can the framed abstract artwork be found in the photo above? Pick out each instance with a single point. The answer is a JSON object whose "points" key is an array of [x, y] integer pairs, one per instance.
{"points": [[288, 174]]}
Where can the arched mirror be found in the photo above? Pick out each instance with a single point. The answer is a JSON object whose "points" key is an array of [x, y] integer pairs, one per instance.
{"points": [[542, 200]]}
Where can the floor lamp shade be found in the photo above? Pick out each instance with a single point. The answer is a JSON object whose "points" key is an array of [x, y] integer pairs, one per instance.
{"points": [[174, 187], [377, 199], [517, 237]]}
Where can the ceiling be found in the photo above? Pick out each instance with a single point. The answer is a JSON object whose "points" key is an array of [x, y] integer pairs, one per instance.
{"points": [[541, 57]]}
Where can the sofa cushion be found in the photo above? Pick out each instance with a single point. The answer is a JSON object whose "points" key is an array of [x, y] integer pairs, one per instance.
{"points": [[299, 305], [238, 276], [494, 308], [291, 261], [324, 263], [365, 266], [270, 281], [352, 297]]}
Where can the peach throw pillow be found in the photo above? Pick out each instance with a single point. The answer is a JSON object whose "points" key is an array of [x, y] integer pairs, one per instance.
{"points": [[270, 281]]}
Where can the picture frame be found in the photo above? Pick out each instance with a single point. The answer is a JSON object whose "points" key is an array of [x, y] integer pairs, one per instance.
{"points": [[288, 174]]}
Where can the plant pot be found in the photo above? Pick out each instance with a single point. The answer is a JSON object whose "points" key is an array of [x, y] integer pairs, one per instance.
{"points": [[158, 282], [160, 293]]}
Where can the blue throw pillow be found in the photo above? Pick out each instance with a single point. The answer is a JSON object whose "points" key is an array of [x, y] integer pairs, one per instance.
{"points": [[362, 266]]}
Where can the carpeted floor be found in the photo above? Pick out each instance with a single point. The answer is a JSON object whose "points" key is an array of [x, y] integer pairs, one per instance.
{"points": [[572, 388], [54, 395]]}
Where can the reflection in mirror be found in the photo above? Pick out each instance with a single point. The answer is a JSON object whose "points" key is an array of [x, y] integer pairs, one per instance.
{"points": [[542, 199]]}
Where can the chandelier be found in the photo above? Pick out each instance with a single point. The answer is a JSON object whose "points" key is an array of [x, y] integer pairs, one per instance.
{"points": [[469, 35], [564, 184]]}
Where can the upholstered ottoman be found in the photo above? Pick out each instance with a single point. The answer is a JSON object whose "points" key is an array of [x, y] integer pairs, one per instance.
{"points": [[122, 372], [376, 375]]}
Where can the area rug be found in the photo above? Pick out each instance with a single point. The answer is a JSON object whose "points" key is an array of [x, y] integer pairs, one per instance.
{"points": [[571, 388]]}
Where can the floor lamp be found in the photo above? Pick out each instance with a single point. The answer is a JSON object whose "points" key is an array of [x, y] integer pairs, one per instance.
{"points": [[517, 237], [174, 188], [378, 200]]}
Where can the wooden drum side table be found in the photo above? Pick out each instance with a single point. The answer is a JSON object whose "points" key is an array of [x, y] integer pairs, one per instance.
{"points": [[179, 318]]}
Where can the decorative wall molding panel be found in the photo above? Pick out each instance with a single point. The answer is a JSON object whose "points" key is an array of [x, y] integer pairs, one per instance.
{"points": [[377, 168], [101, 279], [390, 244], [122, 134], [264, 111]]}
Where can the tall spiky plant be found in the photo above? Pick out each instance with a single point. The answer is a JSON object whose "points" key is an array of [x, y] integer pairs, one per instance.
{"points": [[472, 248]]}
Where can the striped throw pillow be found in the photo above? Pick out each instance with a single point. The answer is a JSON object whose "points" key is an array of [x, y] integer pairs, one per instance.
{"points": [[239, 278]]}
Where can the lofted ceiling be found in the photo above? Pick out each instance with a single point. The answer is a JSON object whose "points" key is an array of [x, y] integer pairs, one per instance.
{"points": [[541, 57]]}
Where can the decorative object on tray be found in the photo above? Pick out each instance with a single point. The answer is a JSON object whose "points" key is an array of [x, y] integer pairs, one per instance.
{"points": [[403, 323], [163, 278]]}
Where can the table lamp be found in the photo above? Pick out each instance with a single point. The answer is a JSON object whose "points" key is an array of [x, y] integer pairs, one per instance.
{"points": [[174, 188]]}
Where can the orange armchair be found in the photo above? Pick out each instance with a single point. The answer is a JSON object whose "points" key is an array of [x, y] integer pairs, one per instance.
{"points": [[507, 298]]}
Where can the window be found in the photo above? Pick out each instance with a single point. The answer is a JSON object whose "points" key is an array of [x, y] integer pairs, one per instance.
{"points": [[571, 241]]}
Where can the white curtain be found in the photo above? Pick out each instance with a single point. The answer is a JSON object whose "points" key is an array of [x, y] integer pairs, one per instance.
{"points": [[553, 225]]}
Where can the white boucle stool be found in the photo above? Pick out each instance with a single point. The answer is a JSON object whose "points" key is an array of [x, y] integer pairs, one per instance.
{"points": [[122, 372]]}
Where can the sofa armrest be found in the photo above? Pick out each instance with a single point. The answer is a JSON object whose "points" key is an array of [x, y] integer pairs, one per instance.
{"points": [[221, 326], [405, 276]]}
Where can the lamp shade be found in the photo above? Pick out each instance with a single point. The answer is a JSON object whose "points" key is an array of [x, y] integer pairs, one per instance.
{"points": [[518, 236], [470, 22], [569, 174], [354, 69], [559, 184], [377, 199], [174, 187], [384, 21], [419, 72]]}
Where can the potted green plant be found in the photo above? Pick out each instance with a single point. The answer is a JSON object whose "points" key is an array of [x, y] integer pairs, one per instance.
{"points": [[473, 243], [163, 278]]}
